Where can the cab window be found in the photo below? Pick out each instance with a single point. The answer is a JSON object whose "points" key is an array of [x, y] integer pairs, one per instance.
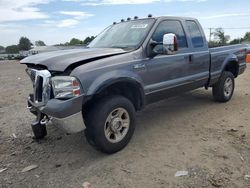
{"points": [[171, 26], [195, 34]]}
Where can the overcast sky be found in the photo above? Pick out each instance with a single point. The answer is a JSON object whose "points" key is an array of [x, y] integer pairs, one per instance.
{"points": [[57, 21]]}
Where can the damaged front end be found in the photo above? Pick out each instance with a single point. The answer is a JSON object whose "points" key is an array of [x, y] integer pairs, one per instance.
{"points": [[57, 99]]}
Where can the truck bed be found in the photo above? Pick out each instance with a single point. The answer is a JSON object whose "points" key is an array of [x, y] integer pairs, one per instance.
{"points": [[219, 56], [228, 48]]}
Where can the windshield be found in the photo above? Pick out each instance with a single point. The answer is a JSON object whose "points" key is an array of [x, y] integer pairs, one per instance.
{"points": [[127, 35]]}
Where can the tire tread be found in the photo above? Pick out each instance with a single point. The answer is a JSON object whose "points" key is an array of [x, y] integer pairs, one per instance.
{"points": [[218, 88], [95, 119]]}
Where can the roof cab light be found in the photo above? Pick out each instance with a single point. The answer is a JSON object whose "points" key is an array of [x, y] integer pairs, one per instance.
{"points": [[65, 87]]}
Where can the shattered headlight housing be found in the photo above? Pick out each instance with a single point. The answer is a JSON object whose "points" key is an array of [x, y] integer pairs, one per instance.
{"points": [[65, 87]]}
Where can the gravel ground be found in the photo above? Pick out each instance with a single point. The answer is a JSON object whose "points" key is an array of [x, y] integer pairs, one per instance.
{"points": [[190, 132]]}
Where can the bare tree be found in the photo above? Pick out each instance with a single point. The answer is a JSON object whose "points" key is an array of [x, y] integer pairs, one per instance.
{"points": [[220, 36]]}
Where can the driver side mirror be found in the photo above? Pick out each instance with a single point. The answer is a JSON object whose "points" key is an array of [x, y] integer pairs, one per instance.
{"points": [[170, 44]]}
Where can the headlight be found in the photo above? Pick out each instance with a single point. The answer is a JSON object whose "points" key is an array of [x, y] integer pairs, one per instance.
{"points": [[65, 87]]}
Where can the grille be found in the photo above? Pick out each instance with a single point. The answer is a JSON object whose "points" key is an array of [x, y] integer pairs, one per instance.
{"points": [[39, 89], [41, 85], [33, 75]]}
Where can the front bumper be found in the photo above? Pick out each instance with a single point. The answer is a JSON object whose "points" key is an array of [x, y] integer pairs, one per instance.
{"points": [[64, 114], [71, 124]]}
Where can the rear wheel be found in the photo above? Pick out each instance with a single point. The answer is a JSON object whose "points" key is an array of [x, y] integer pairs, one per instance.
{"points": [[111, 124], [224, 89]]}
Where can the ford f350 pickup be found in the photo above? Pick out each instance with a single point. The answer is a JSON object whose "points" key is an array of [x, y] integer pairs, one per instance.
{"points": [[129, 65]]}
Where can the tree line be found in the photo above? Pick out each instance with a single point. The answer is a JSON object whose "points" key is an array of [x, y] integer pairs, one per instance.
{"points": [[25, 44], [76, 42], [221, 39]]}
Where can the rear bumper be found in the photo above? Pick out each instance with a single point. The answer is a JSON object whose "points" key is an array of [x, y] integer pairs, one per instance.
{"points": [[64, 114]]}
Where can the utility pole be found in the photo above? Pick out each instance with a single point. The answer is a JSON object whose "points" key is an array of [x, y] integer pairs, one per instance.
{"points": [[210, 34]]}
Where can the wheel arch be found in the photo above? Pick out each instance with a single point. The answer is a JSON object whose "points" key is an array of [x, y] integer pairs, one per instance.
{"points": [[127, 87], [130, 87], [231, 65]]}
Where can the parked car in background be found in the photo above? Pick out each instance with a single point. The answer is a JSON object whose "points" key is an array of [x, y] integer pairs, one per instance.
{"points": [[2, 57]]}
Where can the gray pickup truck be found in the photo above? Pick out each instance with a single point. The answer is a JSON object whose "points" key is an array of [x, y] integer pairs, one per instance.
{"points": [[129, 65]]}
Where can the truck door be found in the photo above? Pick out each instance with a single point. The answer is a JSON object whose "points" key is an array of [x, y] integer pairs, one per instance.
{"points": [[168, 74], [198, 57]]}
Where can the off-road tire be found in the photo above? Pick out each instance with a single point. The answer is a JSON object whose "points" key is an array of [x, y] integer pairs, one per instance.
{"points": [[219, 93], [96, 118]]}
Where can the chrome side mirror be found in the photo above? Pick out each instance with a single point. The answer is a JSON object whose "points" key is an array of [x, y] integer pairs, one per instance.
{"points": [[170, 44]]}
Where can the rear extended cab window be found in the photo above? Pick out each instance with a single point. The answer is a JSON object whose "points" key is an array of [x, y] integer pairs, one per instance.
{"points": [[195, 34], [171, 26]]}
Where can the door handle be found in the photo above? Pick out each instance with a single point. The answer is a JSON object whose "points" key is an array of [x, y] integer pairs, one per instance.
{"points": [[189, 58]]}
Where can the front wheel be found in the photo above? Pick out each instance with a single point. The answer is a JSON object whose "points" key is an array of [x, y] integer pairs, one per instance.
{"points": [[224, 89], [111, 123]]}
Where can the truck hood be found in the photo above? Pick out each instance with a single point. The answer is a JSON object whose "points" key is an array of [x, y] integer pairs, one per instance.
{"points": [[62, 59]]}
